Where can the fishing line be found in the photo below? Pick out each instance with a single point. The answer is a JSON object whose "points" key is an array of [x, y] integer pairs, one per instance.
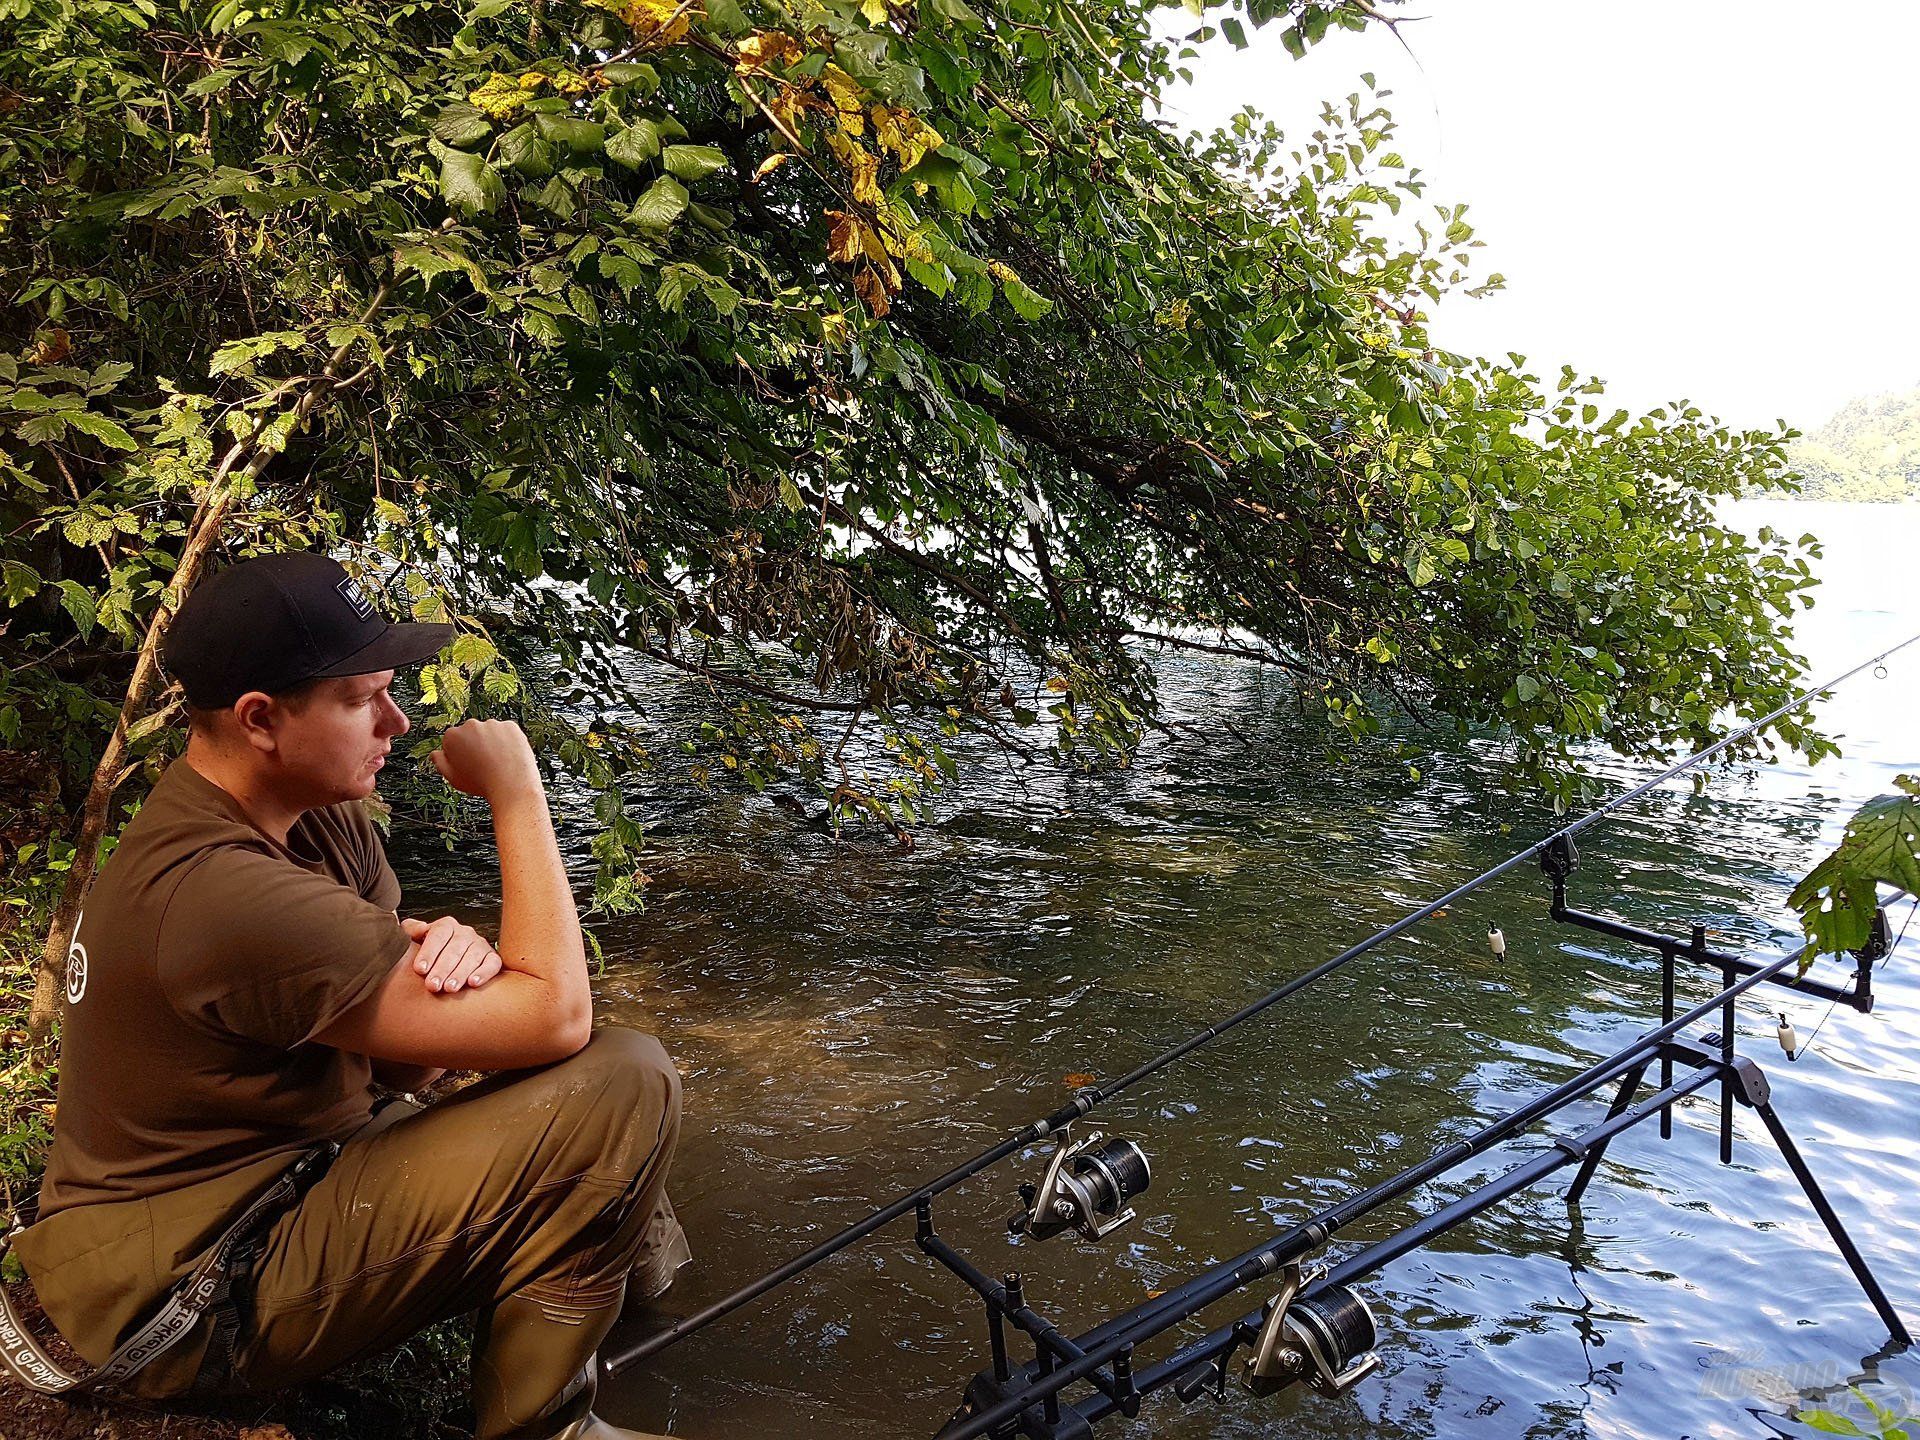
{"points": [[1091, 1186], [1892, 950]]}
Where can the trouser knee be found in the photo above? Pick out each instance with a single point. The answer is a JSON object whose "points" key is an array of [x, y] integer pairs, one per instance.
{"points": [[627, 1093]]}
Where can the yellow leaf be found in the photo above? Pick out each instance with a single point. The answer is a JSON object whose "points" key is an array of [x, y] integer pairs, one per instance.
{"points": [[863, 168], [905, 134], [843, 243], [844, 91], [772, 163], [905, 240], [501, 95], [654, 22], [872, 290], [763, 47]]}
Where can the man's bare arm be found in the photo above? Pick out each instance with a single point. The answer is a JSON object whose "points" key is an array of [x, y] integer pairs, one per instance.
{"points": [[539, 1008]]}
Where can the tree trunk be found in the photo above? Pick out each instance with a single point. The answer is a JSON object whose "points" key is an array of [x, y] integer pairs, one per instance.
{"points": [[49, 976], [47, 980]]}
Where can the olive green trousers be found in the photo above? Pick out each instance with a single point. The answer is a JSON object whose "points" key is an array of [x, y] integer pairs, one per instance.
{"points": [[547, 1186], [535, 1198]]}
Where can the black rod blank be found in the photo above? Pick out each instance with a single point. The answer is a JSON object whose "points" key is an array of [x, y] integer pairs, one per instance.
{"points": [[1087, 1099], [1154, 1316]]}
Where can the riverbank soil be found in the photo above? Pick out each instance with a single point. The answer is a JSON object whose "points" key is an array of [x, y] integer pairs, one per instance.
{"points": [[416, 1392]]}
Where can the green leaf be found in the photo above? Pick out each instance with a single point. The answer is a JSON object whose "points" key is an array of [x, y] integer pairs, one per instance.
{"points": [[213, 82], [622, 271], [1419, 565], [663, 203], [582, 137], [726, 17], [959, 12], [428, 262], [693, 162], [1881, 845], [677, 282], [471, 651], [1828, 1423], [44, 429], [526, 151], [106, 376], [1027, 303], [79, 604], [1526, 687], [19, 582], [471, 186], [633, 72], [635, 145], [461, 124], [103, 429], [238, 356]]}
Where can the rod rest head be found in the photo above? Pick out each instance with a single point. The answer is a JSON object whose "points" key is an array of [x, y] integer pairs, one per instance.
{"points": [[1558, 858], [1879, 940]]}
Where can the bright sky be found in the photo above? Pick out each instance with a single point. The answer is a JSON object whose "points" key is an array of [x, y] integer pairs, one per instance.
{"points": [[1694, 198]]}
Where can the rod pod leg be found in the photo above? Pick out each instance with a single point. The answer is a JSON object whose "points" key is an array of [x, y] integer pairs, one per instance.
{"points": [[1629, 1086], [1856, 1262]]}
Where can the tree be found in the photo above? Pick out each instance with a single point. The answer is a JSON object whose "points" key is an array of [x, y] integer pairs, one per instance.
{"points": [[1869, 450], [885, 364]]}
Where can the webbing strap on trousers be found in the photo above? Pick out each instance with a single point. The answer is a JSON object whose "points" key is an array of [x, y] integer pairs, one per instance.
{"points": [[210, 1283]]}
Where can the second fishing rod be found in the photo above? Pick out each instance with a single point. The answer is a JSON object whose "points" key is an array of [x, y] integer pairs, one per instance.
{"points": [[1087, 1099]]}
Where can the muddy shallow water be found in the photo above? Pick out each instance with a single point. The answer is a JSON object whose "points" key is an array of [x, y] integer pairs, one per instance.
{"points": [[850, 1020]]}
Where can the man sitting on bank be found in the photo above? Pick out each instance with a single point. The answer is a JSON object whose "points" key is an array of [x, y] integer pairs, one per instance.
{"points": [[239, 975]]}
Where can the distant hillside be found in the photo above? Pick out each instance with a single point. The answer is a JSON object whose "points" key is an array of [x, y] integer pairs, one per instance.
{"points": [[1869, 451]]}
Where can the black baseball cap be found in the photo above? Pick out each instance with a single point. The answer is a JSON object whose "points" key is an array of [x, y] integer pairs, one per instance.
{"points": [[274, 621]]}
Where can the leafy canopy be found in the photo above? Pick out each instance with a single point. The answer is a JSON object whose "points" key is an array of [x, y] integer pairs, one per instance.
{"points": [[885, 364]]}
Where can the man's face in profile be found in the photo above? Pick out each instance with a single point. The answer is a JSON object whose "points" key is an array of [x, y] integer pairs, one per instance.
{"points": [[333, 748]]}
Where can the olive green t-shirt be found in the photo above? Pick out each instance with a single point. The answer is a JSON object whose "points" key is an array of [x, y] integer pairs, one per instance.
{"points": [[204, 961]]}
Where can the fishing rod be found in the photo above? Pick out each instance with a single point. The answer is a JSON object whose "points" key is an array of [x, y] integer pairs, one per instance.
{"points": [[1071, 1162], [1315, 1330]]}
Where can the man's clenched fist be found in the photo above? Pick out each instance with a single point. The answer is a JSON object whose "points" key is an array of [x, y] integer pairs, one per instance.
{"points": [[488, 758]]}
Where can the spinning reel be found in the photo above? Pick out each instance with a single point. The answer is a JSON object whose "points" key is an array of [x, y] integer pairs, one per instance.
{"points": [[1084, 1189], [1325, 1340]]}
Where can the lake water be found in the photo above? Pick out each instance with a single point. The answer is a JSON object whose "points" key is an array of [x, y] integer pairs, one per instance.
{"points": [[850, 1021]]}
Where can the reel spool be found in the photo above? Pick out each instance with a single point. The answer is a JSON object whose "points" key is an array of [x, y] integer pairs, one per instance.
{"points": [[1325, 1339], [1085, 1188]]}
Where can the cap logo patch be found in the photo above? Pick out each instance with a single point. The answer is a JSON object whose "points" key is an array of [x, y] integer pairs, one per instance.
{"points": [[350, 588]]}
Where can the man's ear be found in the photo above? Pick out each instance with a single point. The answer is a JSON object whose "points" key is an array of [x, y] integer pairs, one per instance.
{"points": [[253, 720]]}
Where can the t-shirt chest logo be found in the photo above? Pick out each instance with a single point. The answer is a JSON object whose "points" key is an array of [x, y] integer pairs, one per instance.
{"points": [[76, 964], [350, 589]]}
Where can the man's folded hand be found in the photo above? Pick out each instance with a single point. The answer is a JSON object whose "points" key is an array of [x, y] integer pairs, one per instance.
{"points": [[451, 956]]}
